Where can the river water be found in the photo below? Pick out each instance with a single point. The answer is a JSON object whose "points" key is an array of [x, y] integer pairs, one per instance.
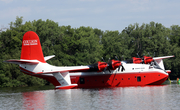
{"points": [[162, 97]]}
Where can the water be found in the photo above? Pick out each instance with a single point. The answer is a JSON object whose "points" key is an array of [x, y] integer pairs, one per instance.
{"points": [[163, 97]]}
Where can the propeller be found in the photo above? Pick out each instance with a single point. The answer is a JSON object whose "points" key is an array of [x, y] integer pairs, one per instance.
{"points": [[106, 66], [113, 64], [144, 59], [120, 65], [103, 66], [117, 59]]}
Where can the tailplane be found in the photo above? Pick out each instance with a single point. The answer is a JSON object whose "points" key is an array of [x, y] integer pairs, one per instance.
{"points": [[31, 47]]}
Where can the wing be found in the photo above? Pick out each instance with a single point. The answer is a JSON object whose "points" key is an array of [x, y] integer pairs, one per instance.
{"points": [[160, 58]]}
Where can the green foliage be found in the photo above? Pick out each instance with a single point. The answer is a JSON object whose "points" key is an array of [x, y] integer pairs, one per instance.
{"points": [[85, 45]]}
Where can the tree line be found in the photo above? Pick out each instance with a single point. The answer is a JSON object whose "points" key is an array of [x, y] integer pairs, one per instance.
{"points": [[85, 45]]}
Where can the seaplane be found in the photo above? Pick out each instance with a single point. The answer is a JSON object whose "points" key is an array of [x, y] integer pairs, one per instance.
{"points": [[114, 73]]}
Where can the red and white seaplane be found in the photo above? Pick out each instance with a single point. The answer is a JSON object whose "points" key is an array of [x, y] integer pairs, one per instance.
{"points": [[115, 73]]}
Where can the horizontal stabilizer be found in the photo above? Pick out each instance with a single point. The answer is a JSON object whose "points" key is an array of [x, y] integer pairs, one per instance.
{"points": [[48, 57], [31, 62]]}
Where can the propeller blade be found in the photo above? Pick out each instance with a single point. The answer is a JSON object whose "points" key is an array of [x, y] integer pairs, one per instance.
{"points": [[154, 54], [116, 58], [138, 55], [119, 67], [105, 69], [109, 70], [122, 69], [103, 59], [109, 59], [122, 58]]}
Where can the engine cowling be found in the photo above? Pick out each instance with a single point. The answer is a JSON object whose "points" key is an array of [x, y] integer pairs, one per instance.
{"points": [[147, 60], [99, 66], [136, 60], [113, 64]]}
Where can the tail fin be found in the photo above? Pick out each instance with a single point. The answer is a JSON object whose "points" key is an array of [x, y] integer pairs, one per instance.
{"points": [[31, 47]]}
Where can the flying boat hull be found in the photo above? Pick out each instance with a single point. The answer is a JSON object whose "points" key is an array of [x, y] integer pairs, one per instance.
{"points": [[106, 79]]}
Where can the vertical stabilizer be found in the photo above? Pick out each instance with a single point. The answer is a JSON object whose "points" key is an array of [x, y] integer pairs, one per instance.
{"points": [[31, 47]]}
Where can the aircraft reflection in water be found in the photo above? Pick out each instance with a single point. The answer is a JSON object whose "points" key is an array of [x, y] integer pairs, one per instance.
{"points": [[115, 73], [149, 97], [33, 100]]}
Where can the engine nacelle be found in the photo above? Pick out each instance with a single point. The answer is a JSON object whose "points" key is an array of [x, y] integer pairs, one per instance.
{"points": [[147, 60], [136, 60], [99, 66], [113, 64]]}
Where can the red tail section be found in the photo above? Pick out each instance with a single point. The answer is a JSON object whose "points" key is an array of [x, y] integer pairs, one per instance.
{"points": [[31, 47]]}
